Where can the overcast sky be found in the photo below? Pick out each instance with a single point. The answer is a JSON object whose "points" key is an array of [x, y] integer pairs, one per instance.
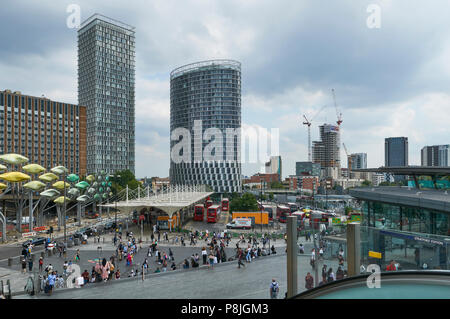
{"points": [[389, 81]]}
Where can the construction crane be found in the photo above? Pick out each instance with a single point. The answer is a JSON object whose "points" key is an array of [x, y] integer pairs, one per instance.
{"points": [[338, 114], [308, 122], [349, 161]]}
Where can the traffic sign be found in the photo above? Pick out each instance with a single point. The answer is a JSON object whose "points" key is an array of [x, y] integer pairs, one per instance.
{"points": [[374, 254]]}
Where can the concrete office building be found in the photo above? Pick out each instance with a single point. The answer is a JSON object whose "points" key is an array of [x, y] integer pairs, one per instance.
{"points": [[106, 75], [326, 152], [207, 94], [47, 132], [437, 155], [273, 166]]}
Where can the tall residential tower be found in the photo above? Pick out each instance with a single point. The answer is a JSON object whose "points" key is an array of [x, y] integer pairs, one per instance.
{"points": [[205, 100], [106, 74]]}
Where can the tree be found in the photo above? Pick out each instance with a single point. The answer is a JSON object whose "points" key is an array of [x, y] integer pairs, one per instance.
{"points": [[366, 183], [246, 203], [276, 185], [126, 178]]}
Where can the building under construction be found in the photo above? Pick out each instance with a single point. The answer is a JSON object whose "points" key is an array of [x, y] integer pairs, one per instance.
{"points": [[327, 150]]}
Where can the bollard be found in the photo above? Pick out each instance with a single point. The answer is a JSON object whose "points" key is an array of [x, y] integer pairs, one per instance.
{"points": [[49, 253], [353, 249], [103, 239], [9, 261], [292, 269]]}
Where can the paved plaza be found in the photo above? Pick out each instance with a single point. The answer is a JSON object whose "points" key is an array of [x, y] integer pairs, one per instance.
{"points": [[225, 281]]}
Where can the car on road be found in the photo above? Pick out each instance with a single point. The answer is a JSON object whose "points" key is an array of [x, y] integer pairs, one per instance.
{"points": [[35, 241], [109, 226], [91, 215], [88, 231]]}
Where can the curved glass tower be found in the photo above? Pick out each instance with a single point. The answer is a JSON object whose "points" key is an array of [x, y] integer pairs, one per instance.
{"points": [[205, 116]]}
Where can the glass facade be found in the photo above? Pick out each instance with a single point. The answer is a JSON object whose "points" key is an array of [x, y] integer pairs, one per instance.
{"points": [[410, 250], [404, 218], [209, 92], [106, 84]]}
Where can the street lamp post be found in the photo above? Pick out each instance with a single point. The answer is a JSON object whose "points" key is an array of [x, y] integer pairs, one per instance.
{"points": [[64, 198], [261, 211]]}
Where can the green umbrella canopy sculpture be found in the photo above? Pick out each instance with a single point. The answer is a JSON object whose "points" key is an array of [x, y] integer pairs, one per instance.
{"points": [[3, 186], [50, 193], [60, 200], [83, 198], [73, 178], [34, 185], [60, 185], [33, 169], [14, 159], [73, 192], [59, 170], [90, 178], [3, 168], [82, 185], [14, 177], [48, 177]]}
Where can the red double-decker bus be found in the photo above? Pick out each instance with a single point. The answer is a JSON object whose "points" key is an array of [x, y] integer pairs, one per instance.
{"points": [[213, 214], [268, 209], [282, 213], [208, 203], [225, 204], [199, 212]]}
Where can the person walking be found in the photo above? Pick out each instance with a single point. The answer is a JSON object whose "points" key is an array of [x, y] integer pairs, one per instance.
{"points": [[77, 256], [41, 264], [204, 255], [274, 289], [309, 281], [51, 282], [240, 256], [30, 264], [211, 260], [24, 265]]}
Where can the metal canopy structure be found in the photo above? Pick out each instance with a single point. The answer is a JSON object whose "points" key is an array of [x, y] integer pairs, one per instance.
{"points": [[414, 171], [169, 200]]}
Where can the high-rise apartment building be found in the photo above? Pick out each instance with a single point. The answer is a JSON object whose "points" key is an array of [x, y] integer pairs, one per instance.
{"points": [[326, 152], [437, 155], [106, 75], [396, 153], [357, 161], [205, 99], [273, 166], [47, 132]]}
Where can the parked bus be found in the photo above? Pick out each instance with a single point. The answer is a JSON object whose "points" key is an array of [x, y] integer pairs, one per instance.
{"points": [[225, 204], [199, 212], [301, 216], [293, 207], [269, 210], [282, 213], [213, 214], [208, 203]]}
